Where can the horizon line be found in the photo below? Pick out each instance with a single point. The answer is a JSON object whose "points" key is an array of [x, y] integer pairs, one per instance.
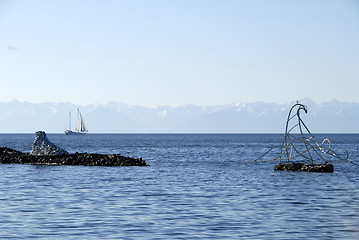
{"points": [[160, 133]]}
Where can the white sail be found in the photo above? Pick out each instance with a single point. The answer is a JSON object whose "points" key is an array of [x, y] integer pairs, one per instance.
{"points": [[81, 126], [78, 127]]}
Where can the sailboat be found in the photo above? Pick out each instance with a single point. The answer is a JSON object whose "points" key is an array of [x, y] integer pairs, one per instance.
{"points": [[81, 128]]}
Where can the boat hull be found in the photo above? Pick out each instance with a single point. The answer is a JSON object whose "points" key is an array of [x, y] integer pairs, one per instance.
{"points": [[69, 132]]}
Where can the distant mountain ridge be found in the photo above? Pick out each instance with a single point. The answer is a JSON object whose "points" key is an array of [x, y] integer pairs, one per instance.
{"points": [[257, 117]]}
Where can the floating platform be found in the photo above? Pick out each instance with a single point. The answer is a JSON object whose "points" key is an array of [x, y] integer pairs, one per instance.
{"points": [[8, 156], [305, 167]]}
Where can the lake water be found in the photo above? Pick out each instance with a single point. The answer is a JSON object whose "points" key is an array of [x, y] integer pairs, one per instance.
{"points": [[196, 187]]}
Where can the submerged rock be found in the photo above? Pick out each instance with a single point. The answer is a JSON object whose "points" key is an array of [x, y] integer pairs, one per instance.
{"points": [[305, 167], [43, 146]]}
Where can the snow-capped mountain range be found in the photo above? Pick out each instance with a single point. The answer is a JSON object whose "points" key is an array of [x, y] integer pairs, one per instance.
{"points": [[257, 117]]}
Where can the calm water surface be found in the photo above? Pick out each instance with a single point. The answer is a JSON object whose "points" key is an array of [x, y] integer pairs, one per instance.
{"points": [[197, 187]]}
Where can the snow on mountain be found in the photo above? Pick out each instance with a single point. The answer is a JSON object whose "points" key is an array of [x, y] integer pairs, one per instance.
{"points": [[257, 117]]}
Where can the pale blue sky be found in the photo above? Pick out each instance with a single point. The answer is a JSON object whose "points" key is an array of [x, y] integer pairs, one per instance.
{"points": [[168, 52]]}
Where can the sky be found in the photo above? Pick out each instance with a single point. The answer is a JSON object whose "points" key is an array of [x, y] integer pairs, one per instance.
{"points": [[160, 52]]}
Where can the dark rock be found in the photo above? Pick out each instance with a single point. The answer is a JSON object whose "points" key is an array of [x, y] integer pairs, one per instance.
{"points": [[305, 167], [8, 155]]}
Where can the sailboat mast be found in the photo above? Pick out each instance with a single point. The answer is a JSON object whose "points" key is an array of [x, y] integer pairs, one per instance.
{"points": [[79, 119], [70, 121]]}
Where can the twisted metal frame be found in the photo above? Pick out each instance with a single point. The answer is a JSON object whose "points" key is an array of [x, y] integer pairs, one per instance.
{"points": [[303, 146]]}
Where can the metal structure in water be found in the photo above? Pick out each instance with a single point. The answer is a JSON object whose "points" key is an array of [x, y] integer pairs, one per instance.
{"points": [[300, 146]]}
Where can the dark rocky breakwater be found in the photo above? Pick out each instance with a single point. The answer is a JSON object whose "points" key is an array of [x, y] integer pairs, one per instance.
{"points": [[46, 153]]}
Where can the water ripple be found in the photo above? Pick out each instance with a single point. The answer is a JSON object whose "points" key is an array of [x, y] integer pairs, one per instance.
{"points": [[197, 187]]}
